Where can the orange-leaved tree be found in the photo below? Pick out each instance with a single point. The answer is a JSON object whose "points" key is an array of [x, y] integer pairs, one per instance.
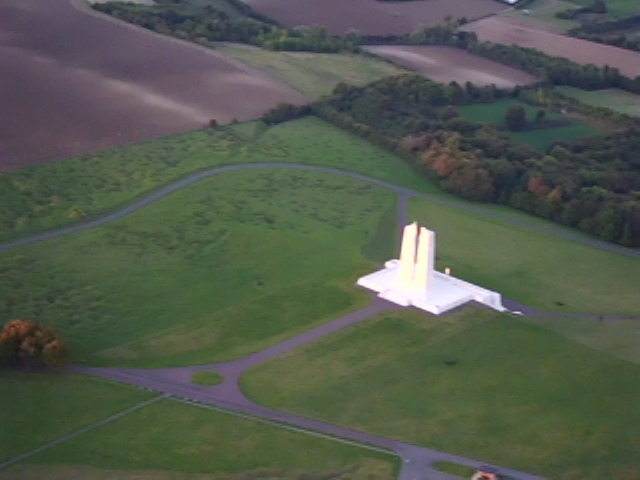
{"points": [[26, 343]]}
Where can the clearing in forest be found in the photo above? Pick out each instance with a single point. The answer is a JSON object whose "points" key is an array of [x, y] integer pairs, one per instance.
{"points": [[611, 98]]}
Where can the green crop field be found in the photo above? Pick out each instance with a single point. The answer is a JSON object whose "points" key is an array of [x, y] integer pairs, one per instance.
{"points": [[172, 441], [215, 271], [36, 409], [540, 139], [612, 98], [474, 382], [44, 196], [314, 74], [534, 268]]}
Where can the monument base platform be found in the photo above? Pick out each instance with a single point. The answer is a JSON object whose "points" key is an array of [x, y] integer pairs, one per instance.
{"points": [[443, 293]]}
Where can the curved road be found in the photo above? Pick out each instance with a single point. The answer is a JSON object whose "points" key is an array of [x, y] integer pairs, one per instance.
{"points": [[416, 461], [402, 191]]}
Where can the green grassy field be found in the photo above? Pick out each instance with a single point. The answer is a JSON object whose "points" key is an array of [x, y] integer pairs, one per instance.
{"points": [[42, 197], [620, 337], [540, 139], [206, 379], [216, 271], [612, 98], [474, 382], [36, 409], [533, 268], [171, 441], [314, 74]]}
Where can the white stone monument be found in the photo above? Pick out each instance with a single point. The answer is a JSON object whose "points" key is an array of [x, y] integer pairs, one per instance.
{"points": [[413, 280]]}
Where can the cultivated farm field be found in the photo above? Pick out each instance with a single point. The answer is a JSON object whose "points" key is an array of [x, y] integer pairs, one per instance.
{"points": [[314, 74], [503, 30], [371, 16], [448, 64], [74, 83]]}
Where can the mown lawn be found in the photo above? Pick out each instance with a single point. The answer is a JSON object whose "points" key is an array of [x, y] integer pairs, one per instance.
{"points": [[540, 139], [215, 271], [534, 268], [171, 441], [474, 382], [36, 409], [314, 74]]}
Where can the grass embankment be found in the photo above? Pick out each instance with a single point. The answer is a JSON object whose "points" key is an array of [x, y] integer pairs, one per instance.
{"points": [[611, 98], [206, 379], [474, 382], [539, 138], [43, 197], [216, 271], [36, 409], [171, 441], [534, 268], [314, 74]]}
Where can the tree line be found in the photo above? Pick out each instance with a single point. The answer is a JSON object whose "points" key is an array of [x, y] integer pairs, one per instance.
{"points": [[593, 185], [210, 23]]}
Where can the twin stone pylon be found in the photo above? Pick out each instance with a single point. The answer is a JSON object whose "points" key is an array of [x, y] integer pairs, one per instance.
{"points": [[417, 257]]}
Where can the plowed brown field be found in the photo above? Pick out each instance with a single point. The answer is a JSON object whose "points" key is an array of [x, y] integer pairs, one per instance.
{"points": [[72, 83], [447, 64], [371, 16], [501, 30]]}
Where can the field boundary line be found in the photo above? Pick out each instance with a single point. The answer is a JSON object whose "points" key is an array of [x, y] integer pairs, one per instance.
{"points": [[279, 424], [82, 431]]}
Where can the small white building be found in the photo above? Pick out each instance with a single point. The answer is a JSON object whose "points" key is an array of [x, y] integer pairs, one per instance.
{"points": [[413, 281]]}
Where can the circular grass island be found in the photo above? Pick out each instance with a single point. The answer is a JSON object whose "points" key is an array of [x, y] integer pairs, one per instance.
{"points": [[206, 378]]}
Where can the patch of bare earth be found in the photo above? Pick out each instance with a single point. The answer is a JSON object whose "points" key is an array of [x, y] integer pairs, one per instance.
{"points": [[448, 64], [502, 30], [73, 83], [371, 16]]}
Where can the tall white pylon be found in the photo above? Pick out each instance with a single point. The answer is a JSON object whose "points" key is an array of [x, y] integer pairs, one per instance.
{"points": [[417, 256]]}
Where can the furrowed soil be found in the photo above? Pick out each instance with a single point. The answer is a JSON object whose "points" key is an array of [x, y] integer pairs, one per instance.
{"points": [[73, 83], [503, 30], [447, 64], [372, 17]]}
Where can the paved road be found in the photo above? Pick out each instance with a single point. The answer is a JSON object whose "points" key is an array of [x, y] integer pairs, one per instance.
{"points": [[406, 192], [176, 382]]}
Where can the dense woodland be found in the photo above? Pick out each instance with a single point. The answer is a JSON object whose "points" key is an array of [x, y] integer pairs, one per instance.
{"points": [[593, 185]]}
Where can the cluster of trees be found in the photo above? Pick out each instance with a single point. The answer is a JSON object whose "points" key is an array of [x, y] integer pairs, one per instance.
{"points": [[593, 185], [611, 32], [28, 344], [181, 19]]}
